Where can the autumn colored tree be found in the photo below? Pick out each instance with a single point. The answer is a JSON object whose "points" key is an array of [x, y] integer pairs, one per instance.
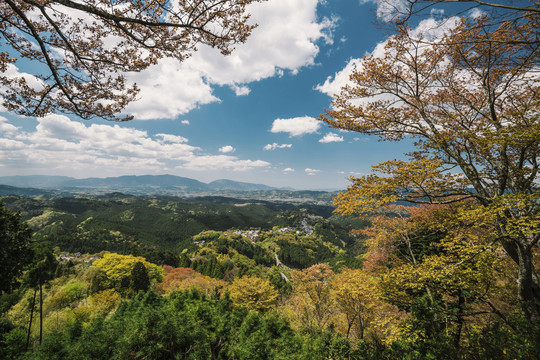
{"points": [[97, 305], [356, 296], [254, 293], [80, 49], [454, 265], [312, 286], [185, 279], [471, 104]]}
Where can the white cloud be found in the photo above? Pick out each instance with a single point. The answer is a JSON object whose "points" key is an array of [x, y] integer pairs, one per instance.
{"points": [[287, 170], [227, 149], [240, 90], [296, 126], [331, 137], [223, 162], [5, 127], [13, 72], [275, 146], [167, 90], [332, 86], [58, 145], [362, 139], [311, 171], [173, 138], [285, 40], [185, 122]]}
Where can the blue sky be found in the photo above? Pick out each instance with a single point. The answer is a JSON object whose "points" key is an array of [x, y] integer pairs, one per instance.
{"points": [[249, 117]]}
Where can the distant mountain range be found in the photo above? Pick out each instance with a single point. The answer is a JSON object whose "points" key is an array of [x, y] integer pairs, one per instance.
{"points": [[145, 183]]}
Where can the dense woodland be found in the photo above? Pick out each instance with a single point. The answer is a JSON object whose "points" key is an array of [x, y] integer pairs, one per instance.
{"points": [[282, 282]]}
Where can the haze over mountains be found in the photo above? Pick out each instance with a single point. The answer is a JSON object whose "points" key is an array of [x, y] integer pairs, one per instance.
{"points": [[131, 181]]}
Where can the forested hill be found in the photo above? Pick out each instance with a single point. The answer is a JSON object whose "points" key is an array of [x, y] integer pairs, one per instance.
{"points": [[141, 225]]}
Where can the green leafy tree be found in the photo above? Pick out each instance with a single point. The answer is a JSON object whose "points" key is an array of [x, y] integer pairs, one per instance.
{"points": [[15, 248], [42, 270], [140, 281]]}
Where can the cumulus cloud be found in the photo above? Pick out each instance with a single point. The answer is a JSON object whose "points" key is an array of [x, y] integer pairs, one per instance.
{"points": [[60, 145], [240, 90], [296, 126], [5, 127], [285, 40], [173, 138], [223, 162], [288, 170], [331, 137], [185, 122], [275, 146], [167, 90], [227, 149], [311, 171], [332, 86]]}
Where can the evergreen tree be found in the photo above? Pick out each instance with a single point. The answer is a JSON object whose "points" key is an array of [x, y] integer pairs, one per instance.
{"points": [[139, 277], [15, 251]]}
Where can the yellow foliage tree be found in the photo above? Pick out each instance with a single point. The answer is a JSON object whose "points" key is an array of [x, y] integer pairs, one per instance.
{"points": [[357, 296], [437, 253], [118, 269], [254, 293], [471, 103], [98, 305]]}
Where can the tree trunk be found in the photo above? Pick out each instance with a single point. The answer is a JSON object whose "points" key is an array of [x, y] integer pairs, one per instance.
{"points": [[526, 293], [40, 312], [31, 318], [512, 250], [215, 347], [459, 320]]}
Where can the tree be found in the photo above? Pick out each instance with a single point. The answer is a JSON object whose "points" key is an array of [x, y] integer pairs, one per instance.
{"points": [[401, 11], [43, 268], [186, 278], [471, 103], [356, 296], [119, 269], [80, 49], [139, 277], [313, 288], [15, 250], [254, 293]]}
